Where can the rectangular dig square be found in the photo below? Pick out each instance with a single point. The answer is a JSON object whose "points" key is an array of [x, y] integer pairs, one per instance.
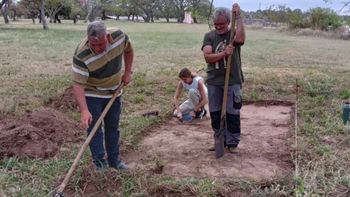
{"points": [[181, 150]]}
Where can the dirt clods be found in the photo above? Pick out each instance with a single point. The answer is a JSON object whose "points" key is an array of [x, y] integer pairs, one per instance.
{"points": [[37, 134], [64, 101]]}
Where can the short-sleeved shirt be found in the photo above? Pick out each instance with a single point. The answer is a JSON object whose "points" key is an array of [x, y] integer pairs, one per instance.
{"points": [[194, 84], [100, 74], [216, 71]]}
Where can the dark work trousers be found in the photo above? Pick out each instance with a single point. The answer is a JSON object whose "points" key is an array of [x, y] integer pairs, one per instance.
{"points": [[234, 104]]}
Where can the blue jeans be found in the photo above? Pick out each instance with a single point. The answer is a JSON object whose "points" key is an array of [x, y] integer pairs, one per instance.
{"points": [[111, 132]]}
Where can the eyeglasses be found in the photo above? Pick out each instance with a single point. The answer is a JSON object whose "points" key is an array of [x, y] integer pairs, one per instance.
{"points": [[220, 24]]}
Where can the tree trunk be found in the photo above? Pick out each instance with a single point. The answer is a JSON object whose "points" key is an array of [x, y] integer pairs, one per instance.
{"points": [[57, 19], [146, 18], [91, 16], [14, 15], [5, 10], [195, 19], [104, 17], [75, 19], [3, 2], [43, 19]]}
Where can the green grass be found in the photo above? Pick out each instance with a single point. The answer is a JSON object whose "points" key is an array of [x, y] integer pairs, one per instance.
{"points": [[36, 67]]}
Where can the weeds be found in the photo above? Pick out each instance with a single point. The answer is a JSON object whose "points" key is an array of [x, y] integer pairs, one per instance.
{"points": [[35, 71]]}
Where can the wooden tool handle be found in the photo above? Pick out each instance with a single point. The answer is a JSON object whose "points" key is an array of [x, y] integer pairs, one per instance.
{"points": [[60, 189]]}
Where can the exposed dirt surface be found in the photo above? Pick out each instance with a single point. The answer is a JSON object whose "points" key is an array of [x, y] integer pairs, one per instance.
{"points": [[181, 150], [64, 101], [37, 134], [172, 148]]}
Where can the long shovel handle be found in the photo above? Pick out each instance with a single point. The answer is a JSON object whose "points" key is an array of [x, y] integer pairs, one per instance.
{"points": [[219, 140], [59, 191]]}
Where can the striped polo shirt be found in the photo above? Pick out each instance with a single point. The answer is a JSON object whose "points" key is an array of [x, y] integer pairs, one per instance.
{"points": [[100, 74]]}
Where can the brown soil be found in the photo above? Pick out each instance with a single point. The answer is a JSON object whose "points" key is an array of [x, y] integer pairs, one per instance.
{"points": [[172, 148], [64, 101], [36, 134], [181, 150]]}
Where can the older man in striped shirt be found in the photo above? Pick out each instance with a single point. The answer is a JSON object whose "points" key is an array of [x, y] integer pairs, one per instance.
{"points": [[97, 72]]}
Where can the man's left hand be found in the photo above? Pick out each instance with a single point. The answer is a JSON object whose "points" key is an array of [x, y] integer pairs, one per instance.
{"points": [[236, 10], [127, 78]]}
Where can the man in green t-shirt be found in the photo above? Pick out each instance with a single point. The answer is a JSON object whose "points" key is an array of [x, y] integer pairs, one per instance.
{"points": [[216, 48]]}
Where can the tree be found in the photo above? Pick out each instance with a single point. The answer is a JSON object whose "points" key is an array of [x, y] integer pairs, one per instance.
{"points": [[16, 10], [148, 8], [200, 10], [277, 14], [4, 7], [55, 6], [31, 8], [323, 18], [297, 19], [42, 15], [76, 11], [167, 9], [92, 9], [180, 6]]}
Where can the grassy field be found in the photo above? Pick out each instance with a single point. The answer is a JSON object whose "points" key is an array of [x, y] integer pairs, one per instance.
{"points": [[35, 66]]}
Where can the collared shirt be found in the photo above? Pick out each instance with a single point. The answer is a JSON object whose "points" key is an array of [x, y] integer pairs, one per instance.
{"points": [[100, 74]]}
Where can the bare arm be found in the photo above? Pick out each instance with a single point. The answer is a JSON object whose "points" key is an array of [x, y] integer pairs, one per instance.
{"points": [[204, 99], [85, 115], [128, 60], [177, 95], [240, 31], [211, 57]]}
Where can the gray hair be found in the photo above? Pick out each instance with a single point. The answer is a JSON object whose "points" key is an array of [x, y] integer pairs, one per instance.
{"points": [[222, 12], [96, 29]]}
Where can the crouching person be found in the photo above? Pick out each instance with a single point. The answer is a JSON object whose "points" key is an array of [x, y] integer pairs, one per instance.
{"points": [[193, 107]]}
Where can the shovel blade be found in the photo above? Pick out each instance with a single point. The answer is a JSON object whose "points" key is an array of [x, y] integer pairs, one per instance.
{"points": [[219, 145]]}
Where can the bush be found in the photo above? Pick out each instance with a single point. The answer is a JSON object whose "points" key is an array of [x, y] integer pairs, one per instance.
{"points": [[324, 19]]}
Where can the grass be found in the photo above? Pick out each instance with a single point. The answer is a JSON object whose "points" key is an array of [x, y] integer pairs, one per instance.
{"points": [[37, 67]]}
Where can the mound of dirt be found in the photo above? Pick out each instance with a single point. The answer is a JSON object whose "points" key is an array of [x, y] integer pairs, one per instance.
{"points": [[64, 101], [36, 134], [181, 150]]}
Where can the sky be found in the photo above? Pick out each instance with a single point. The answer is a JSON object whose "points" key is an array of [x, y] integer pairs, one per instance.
{"points": [[304, 5]]}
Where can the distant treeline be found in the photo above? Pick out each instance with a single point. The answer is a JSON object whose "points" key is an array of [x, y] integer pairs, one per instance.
{"points": [[170, 10]]}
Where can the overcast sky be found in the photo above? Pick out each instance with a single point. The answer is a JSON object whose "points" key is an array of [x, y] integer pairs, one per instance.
{"points": [[304, 5]]}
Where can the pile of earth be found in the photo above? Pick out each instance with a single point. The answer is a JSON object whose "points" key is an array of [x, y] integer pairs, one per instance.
{"points": [[37, 134], [64, 102]]}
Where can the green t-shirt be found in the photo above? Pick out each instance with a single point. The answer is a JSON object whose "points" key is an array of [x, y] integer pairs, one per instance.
{"points": [[216, 71]]}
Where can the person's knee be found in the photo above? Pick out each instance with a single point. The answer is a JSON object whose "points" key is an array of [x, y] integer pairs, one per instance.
{"points": [[233, 123], [215, 119]]}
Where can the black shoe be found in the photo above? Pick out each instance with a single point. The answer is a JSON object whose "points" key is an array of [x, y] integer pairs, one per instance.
{"points": [[211, 148], [202, 113]]}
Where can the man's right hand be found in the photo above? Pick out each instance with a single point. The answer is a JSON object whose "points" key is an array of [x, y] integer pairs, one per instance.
{"points": [[229, 50], [86, 119]]}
